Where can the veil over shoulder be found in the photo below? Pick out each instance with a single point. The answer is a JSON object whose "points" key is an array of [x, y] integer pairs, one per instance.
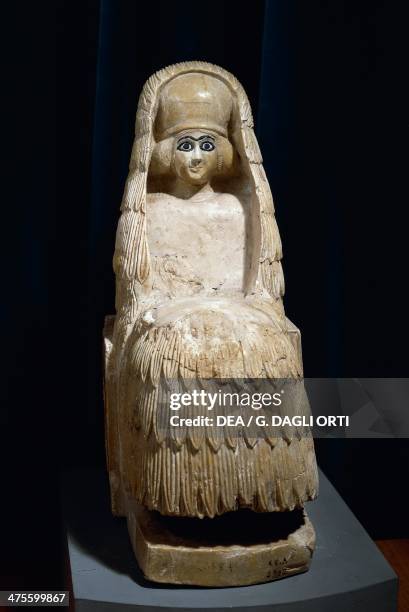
{"points": [[169, 332]]}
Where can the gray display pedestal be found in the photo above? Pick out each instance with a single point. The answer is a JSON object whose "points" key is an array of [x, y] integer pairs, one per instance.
{"points": [[348, 573]]}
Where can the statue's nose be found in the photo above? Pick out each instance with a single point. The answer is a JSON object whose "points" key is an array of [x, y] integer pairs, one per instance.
{"points": [[197, 156]]}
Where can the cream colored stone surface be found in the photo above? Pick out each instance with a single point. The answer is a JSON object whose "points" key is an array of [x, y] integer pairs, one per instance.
{"points": [[164, 557], [199, 289]]}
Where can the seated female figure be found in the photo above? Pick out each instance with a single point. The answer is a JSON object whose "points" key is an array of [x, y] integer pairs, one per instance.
{"points": [[209, 307]]}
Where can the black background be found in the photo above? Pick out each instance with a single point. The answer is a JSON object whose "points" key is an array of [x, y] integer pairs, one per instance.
{"points": [[327, 83]]}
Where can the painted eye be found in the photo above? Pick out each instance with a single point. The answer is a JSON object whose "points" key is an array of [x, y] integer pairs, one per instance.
{"points": [[207, 146], [185, 146]]}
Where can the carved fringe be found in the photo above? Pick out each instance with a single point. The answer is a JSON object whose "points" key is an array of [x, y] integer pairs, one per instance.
{"points": [[177, 481], [131, 259], [251, 147], [271, 273], [159, 353], [204, 471]]}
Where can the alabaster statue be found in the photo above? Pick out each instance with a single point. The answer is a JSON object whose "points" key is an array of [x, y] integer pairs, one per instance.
{"points": [[199, 296]]}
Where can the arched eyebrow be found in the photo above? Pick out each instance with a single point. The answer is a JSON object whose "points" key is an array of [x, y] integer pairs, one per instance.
{"points": [[208, 136]]}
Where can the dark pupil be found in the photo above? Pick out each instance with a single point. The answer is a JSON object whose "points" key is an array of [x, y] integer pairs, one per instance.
{"points": [[188, 146]]}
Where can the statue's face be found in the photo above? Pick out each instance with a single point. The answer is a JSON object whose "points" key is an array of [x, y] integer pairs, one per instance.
{"points": [[195, 156]]}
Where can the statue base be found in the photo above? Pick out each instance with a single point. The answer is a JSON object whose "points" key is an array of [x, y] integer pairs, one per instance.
{"points": [[235, 549], [348, 572]]}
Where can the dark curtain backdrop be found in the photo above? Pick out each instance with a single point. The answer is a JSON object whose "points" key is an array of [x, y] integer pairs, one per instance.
{"points": [[326, 81]]}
